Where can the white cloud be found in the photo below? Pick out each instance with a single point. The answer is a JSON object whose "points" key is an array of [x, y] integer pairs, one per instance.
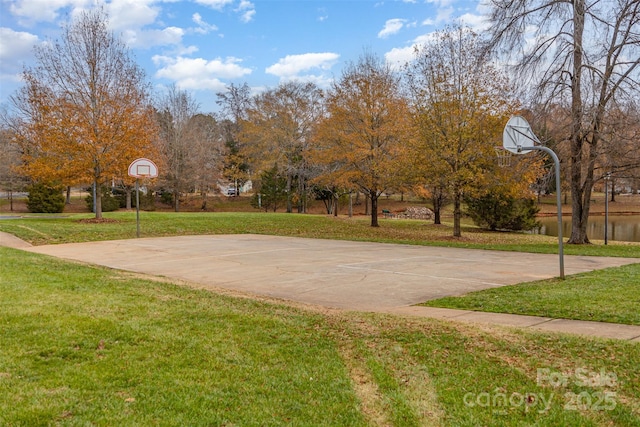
{"points": [[441, 3], [31, 11], [392, 26], [399, 56], [199, 73], [203, 27], [247, 16], [145, 39], [16, 47], [215, 4], [292, 65], [131, 14], [247, 11], [425, 39], [477, 23], [245, 8], [444, 14]]}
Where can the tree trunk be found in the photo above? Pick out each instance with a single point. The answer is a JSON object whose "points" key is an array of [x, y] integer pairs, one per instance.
{"points": [[289, 204], [68, 201], [374, 209], [613, 190], [580, 209], [457, 214], [127, 192], [302, 191], [204, 195], [437, 205], [98, 200]]}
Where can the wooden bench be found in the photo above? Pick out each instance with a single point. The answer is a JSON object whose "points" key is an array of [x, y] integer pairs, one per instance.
{"points": [[387, 213]]}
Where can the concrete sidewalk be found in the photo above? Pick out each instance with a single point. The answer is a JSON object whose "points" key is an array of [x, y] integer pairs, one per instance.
{"points": [[359, 276], [546, 324], [11, 241]]}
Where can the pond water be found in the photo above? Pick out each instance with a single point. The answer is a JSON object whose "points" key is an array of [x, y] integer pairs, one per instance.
{"points": [[621, 227]]}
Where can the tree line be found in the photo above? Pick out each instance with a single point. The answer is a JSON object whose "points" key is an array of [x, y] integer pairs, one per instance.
{"points": [[430, 127]]}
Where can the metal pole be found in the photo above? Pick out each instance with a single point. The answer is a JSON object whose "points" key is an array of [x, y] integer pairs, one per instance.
{"points": [[556, 161], [95, 200], [137, 210], [606, 208]]}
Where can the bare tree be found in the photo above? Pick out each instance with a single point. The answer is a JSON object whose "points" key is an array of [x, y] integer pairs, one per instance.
{"points": [[10, 179], [208, 151], [177, 137], [234, 103], [583, 54], [620, 159]]}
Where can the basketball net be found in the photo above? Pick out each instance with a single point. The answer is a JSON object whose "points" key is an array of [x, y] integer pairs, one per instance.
{"points": [[504, 157]]}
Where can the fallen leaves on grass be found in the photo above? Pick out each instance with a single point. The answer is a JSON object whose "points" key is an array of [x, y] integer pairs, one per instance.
{"points": [[97, 220]]}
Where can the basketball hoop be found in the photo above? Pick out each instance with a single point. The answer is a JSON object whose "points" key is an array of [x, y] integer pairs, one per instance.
{"points": [[518, 135], [143, 168], [518, 138], [504, 157]]}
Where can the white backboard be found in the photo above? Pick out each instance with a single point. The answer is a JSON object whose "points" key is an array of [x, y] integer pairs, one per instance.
{"points": [[517, 134], [143, 168]]}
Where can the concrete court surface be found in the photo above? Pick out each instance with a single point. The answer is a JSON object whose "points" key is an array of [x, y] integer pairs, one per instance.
{"points": [[330, 273]]}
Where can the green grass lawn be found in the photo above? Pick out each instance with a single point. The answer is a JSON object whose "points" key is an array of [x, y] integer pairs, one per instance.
{"points": [[608, 295], [82, 345], [46, 230]]}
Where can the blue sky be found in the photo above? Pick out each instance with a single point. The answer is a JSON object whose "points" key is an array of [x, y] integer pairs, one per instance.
{"points": [[203, 45]]}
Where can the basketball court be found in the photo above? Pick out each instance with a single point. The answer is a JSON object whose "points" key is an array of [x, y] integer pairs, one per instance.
{"points": [[330, 273]]}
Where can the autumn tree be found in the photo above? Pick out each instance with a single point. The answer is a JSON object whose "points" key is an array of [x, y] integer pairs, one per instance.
{"points": [[177, 137], [208, 152], [84, 109], [460, 104], [583, 54], [278, 130], [363, 135]]}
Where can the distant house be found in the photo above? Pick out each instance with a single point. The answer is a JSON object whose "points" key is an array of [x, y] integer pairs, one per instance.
{"points": [[228, 188]]}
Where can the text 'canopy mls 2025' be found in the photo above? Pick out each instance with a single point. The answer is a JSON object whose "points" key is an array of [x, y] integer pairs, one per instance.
{"points": [[143, 168], [517, 134]]}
